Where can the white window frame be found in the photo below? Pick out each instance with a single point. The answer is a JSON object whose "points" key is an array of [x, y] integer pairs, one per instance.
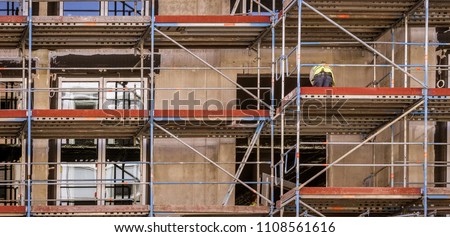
{"points": [[101, 143]]}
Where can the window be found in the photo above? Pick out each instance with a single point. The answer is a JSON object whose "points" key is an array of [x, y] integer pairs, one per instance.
{"points": [[79, 187], [83, 96], [10, 94], [10, 173], [100, 171], [125, 8], [10, 8], [81, 8], [113, 8], [123, 95]]}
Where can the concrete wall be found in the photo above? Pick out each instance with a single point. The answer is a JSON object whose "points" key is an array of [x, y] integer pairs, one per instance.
{"points": [[194, 7]]}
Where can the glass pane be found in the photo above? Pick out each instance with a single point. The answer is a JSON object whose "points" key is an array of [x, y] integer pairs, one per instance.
{"points": [[9, 8], [74, 190], [80, 154], [81, 8], [124, 95], [80, 99], [125, 8], [124, 172]]}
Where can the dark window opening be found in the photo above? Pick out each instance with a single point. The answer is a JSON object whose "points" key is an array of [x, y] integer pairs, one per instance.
{"points": [[10, 95], [309, 154], [8, 174], [441, 135], [123, 171], [11, 99]]}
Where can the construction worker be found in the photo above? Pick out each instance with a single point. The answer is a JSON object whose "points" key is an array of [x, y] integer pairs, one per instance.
{"points": [[322, 76]]}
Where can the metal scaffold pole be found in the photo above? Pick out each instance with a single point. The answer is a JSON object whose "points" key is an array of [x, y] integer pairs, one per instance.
{"points": [[29, 106], [425, 95], [152, 111], [405, 121], [297, 146], [272, 115], [258, 106], [283, 76], [392, 85]]}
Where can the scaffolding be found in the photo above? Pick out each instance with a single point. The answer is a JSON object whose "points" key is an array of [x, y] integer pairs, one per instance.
{"points": [[285, 125]]}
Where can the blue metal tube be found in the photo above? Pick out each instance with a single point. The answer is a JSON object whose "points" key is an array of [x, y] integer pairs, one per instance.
{"points": [[392, 85], [405, 121], [376, 43], [283, 77], [152, 109], [196, 183], [297, 147], [425, 94], [29, 109], [272, 114]]}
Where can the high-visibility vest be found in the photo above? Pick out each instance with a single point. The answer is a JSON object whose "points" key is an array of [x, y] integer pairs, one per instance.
{"points": [[322, 68]]}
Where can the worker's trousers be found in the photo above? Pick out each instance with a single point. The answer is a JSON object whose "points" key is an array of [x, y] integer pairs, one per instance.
{"points": [[323, 79]]}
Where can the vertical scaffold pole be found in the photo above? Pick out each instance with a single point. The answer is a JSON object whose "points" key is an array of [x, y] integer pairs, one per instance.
{"points": [[152, 109], [297, 145], [425, 94], [392, 85], [258, 150], [283, 77], [374, 68], [405, 121], [22, 137], [29, 111], [272, 114]]}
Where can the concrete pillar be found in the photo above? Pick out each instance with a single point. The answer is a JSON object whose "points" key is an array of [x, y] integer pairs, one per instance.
{"points": [[43, 9], [40, 146], [416, 129]]}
